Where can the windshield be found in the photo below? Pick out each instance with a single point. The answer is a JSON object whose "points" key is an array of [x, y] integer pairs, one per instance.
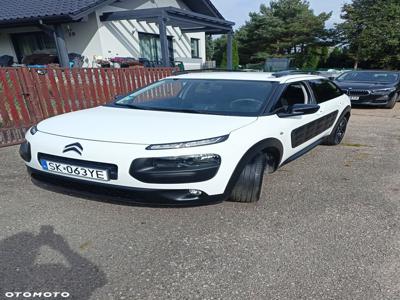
{"points": [[206, 96], [384, 77]]}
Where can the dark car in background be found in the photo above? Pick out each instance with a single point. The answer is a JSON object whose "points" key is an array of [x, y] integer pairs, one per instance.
{"points": [[377, 88]]}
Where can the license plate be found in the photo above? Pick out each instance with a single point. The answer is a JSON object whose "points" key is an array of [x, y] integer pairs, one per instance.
{"points": [[354, 98], [71, 170]]}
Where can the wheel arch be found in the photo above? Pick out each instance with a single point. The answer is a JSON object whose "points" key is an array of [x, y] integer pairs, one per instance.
{"points": [[346, 113], [271, 146]]}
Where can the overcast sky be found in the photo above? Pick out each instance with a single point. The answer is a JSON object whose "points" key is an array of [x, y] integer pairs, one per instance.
{"points": [[238, 10]]}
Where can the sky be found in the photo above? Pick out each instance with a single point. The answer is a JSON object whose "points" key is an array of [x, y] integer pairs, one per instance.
{"points": [[238, 10]]}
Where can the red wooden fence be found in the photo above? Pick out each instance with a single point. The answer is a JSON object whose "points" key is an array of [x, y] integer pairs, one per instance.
{"points": [[28, 96]]}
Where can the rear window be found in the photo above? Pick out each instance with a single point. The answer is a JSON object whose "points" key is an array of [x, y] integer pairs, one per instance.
{"points": [[324, 90]]}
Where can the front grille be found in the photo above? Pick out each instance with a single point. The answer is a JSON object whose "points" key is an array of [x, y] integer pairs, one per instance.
{"points": [[357, 92]]}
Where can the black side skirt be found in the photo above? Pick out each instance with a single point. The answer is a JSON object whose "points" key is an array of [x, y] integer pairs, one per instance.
{"points": [[302, 152]]}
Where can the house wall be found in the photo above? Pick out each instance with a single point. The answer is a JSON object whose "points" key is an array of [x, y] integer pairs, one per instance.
{"points": [[121, 38], [84, 38]]}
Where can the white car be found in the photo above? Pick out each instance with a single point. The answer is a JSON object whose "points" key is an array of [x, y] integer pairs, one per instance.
{"points": [[191, 138]]}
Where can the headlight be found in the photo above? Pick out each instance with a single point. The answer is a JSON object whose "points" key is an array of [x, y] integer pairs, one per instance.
{"points": [[383, 91], [33, 130], [182, 162], [175, 170], [190, 144]]}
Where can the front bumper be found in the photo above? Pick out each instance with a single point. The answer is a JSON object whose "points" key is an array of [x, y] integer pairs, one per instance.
{"points": [[373, 100], [100, 191], [142, 182]]}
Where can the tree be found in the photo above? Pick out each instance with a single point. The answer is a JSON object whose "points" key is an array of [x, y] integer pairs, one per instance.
{"points": [[220, 52], [284, 28], [371, 31], [312, 57], [219, 49], [339, 58], [235, 56], [209, 47]]}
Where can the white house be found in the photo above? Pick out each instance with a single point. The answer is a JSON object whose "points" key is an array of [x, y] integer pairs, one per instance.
{"points": [[158, 30]]}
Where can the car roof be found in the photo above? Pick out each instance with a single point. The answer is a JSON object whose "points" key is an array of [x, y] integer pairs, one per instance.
{"points": [[251, 76], [374, 71]]}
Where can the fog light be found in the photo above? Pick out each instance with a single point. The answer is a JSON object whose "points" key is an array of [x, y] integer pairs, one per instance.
{"points": [[383, 98], [195, 192]]}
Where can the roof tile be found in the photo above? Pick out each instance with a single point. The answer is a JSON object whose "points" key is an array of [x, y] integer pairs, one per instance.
{"points": [[26, 9]]}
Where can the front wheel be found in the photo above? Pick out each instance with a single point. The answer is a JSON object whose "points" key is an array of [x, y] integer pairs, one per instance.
{"points": [[338, 133], [249, 185], [392, 102]]}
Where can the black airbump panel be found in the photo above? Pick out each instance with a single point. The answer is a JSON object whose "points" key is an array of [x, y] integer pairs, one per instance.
{"points": [[311, 130]]}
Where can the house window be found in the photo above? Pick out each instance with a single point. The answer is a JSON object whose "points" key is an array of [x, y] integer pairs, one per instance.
{"points": [[195, 44], [32, 42], [150, 47]]}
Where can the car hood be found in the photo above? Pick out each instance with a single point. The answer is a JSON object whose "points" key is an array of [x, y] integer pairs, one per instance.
{"points": [[363, 85], [124, 125]]}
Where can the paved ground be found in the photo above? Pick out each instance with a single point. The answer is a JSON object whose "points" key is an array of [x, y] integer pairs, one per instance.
{"points": [[327, 228]]}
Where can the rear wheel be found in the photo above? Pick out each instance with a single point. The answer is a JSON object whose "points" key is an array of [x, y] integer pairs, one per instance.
{"points": [[392, 102], [249, 185], [338, 133]]}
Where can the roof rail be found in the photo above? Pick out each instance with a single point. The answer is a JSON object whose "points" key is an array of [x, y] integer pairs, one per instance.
{"points": [[204, 70], [295, 72]]}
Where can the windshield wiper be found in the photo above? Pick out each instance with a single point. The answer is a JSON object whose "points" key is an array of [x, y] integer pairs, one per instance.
{"points": [[190, 111], [133, 106]]}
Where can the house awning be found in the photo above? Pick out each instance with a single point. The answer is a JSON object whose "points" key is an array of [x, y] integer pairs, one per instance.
{"points": [[187, 21]]}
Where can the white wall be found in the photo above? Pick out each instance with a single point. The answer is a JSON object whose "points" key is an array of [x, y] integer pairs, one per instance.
{"points": [[84, 38]]}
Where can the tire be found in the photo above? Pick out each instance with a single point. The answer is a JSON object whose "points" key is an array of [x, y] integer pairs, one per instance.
{"points": [[249, 185], [392, 102], [338, 133]]}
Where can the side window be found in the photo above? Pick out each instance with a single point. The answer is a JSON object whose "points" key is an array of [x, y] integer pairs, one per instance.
{"points": [[324, 90], [295, 93]]}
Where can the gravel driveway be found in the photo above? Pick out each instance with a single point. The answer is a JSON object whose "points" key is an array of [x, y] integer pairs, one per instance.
{"points": [[326, 228]]}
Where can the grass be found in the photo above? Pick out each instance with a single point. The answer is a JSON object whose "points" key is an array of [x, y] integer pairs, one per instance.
{"points": [[354, 145]]}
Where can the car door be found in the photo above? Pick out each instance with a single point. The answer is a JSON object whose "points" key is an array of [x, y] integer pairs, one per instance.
{"points": [[330, 98], [298, 131]]}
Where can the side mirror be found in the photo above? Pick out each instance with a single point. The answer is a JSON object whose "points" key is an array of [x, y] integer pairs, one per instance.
{"points": [[299, 110]]}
